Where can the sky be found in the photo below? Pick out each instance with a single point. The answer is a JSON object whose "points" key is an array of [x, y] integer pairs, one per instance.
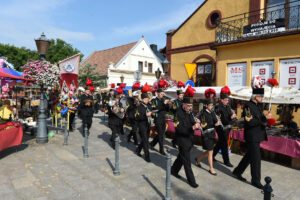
{"points": [[91, 25]]}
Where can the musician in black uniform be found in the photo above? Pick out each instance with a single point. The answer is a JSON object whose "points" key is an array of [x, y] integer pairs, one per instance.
{"points": [[185, 125], [254, 133], [142, 116], [209, 121], [98, 99], [115, 117], [162, 106], [133, 103], [176, 105], [224, 112], [86, 108]]}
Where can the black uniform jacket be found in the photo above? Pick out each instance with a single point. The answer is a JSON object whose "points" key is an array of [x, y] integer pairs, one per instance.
{"points": [[113, 119], [224, 112], [184, 127], [176, 105], [86, 112], [141, 117], [158, 104], [255, 123], [208, 120]]}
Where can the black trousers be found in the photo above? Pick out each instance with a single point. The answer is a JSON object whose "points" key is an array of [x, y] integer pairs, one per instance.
{"points": [[115, 130], [184, 159], [133, 132], [71, 120], [159, 138], [144, 134], [222, 144], [252, 157]]}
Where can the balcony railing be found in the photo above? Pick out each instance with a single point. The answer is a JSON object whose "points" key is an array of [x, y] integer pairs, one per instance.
{"points": [[276, 19]]}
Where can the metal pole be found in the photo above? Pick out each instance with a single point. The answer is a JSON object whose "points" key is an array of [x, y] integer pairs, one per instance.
{"points": [[168, 176], [42, 135], [116, 170], [86, 132], [66, 133], [267, 189]]}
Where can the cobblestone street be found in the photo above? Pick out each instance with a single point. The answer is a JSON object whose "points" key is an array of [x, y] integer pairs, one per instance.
{"points": [[54, 171]]}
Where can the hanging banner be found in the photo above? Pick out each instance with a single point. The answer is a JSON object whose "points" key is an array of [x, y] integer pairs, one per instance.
{"points": [[290, 73], [190, 68], [263, 70], [69, 68], [237, 74]]}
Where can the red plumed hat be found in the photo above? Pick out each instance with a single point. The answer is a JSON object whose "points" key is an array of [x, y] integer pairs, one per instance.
{"points": [[163, 84], [92, 89], [210, 93], [272, 82], [119, 90], [225, 92], [89, 82], [180, 84], [189, 92], [136, 86], [146, 88], [122, 85], [112, 85]]}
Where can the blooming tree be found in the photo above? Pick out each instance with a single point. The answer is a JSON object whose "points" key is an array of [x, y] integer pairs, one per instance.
{"points": [[42, 72]]}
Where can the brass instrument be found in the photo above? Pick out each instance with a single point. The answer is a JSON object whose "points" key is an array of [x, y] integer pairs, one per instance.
{"points": [[116, 109]]}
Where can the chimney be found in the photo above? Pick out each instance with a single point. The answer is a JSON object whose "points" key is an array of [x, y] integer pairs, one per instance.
{"points": [[153, 47]]}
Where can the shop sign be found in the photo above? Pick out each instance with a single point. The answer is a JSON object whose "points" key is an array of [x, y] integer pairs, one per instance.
{"points": [[237, 74], [263, 70], [290, 73], [262, 28]]}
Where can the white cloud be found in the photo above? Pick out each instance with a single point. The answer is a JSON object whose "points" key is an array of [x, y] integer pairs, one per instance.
{"points": [[24, 20], [170, 21]]}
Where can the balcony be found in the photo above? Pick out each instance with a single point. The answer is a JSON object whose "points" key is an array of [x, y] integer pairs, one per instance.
{"points": [[273, 21]]}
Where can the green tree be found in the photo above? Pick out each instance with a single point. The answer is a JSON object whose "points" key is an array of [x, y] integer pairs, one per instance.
{"points": [[60, 50], [88, 71]]}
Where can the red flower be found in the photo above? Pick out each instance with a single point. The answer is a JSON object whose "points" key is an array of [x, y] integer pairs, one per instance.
{"points": [[272, 82], [271, 122], [180, 84], [89, 82], [112, 85], [189, 92], [119, 90], [123, 85], [225, 90], [210, 93], [146, 88], [136, 86]]}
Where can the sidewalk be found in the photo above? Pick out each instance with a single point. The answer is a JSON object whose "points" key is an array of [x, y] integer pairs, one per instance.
{"points": [[54, 171]]}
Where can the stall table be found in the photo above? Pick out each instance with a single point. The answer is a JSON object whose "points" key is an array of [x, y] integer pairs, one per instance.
{"points": [[11, 134]]}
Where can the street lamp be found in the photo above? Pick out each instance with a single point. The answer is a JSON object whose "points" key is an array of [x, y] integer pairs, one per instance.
{"points": [[137, 75], [166, 67], [157, 73], [122, 78], [42, 45]]}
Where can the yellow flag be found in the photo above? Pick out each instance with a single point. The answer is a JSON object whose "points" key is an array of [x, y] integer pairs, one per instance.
{"points": [[190, 68]]}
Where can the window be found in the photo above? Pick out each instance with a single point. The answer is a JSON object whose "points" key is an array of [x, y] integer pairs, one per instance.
{"points": [[275, 9], [204, 74], [237, 74], [214, 18], [140, 66], [150, 66]]}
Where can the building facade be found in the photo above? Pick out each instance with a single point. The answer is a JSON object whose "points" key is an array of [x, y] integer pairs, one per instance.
{"points": [[124, 60], [230, 41]]}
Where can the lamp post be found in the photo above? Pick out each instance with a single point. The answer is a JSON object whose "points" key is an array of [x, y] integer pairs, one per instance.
{"points": [[122, 78], [166, 67], [42, 45], [157, 74], [273, 73]]}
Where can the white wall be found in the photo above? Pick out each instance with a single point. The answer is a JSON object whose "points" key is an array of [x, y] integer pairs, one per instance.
{"points": [[142, 52]]}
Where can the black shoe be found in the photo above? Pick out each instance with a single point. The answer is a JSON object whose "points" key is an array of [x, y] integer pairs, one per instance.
{"points": [[138, 153], [151, 146], [175, 174], [214, 160], [148, 159], [228, 164], [198, 163], [214, 174], [193, 185], [257, 185], [162, 153], [174, 143], [136, 143], [239, 176], [128, 139]]}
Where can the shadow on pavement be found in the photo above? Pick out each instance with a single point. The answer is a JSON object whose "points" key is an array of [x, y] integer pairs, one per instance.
{"points": [[153, 186], [11, 150], [110, 164]]}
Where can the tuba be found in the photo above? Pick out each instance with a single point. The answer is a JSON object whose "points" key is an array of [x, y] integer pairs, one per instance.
{"points": [[117, 110]]}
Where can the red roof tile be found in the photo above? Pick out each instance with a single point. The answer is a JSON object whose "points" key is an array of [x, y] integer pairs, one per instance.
{"points": [[104, 57]]}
